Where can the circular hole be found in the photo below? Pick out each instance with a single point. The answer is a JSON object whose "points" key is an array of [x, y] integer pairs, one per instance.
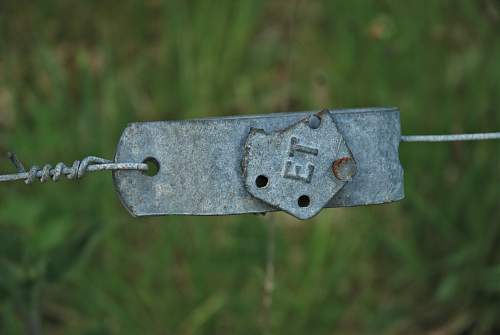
{"points": [[261, 181], [304, 201], [153, 167]]}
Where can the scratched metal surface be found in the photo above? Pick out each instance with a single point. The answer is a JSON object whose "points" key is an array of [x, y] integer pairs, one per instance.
{"points": [[292, 169], [201, 162]]}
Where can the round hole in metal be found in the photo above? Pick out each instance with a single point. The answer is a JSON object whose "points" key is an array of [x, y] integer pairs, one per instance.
{"points": [[304, 201], [153, 166], [261, 181]]}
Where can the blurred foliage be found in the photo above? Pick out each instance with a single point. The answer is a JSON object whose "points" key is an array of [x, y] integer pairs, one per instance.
{"points": [[73, 74]]}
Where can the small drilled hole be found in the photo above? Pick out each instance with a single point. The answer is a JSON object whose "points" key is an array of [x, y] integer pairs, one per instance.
{"points": [[261, 181], [304, 201], [153, 167]]}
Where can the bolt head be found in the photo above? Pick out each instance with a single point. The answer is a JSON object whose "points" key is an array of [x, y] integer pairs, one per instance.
{"points": [[314, 122]]}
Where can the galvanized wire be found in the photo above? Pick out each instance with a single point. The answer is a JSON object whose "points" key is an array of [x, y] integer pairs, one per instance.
{"points": [[76, 171], [94, 164], [451, 138]]}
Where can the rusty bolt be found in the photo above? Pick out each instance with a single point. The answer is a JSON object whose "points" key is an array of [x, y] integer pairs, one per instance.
{"points": [[344, 168]]}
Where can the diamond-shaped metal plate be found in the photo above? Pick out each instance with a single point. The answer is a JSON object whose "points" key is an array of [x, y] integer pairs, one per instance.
{"points": [[293, 169]]}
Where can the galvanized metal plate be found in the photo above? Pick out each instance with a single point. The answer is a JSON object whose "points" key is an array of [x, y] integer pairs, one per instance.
{"points": [[200, 170], [292, 169]]}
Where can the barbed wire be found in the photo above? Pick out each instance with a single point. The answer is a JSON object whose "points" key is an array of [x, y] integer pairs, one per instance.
{"points": [[76, 171], [93, 164]]}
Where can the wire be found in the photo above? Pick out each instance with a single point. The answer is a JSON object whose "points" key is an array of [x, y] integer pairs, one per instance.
{"points": [[76, 171], [93, 164], [451, 138]]}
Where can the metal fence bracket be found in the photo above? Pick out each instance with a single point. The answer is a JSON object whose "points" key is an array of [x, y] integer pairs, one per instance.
{"points": [[295, 162]]}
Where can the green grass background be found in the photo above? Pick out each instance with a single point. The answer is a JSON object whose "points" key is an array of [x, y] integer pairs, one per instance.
{"points": [[74, 73]]}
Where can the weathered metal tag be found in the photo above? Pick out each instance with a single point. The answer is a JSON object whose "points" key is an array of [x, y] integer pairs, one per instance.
{"points": [[200, 162], [293, 169]]}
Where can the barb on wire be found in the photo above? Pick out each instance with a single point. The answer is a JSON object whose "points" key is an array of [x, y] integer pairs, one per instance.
{"points": [[17, 163], [76, 171], [451, 138]]}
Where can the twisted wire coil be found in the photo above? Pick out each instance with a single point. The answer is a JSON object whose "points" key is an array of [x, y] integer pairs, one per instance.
{"points": [[76, 171]]}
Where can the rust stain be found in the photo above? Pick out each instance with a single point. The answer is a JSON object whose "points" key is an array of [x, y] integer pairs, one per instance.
{"points": [[344, 168]]}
